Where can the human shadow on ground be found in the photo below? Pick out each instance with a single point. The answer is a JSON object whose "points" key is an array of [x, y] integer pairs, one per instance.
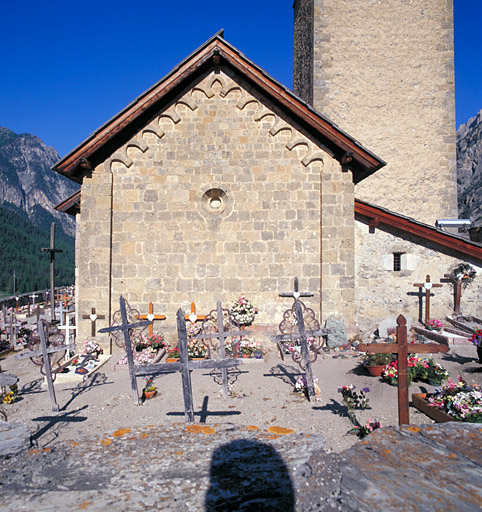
{"points": [[217, 376], [60, 420], [249, 475], [96, 380], [204, 413], [334, 407], [287, 373]]}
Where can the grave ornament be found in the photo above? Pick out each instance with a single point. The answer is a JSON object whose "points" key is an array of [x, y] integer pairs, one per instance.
{"points": [[402, 349]]}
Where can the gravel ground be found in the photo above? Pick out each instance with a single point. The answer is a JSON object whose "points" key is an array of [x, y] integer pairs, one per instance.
{"points": [[264, 396]]}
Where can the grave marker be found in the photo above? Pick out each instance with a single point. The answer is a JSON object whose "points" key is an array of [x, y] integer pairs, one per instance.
{"points": [[151, 317], [44, 354], [184, 365], [193, 317], [52, 250], [93, 318], [402, 349], [427, 286]]}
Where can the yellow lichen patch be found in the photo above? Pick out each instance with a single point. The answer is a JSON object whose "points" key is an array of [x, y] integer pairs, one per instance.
{"points": [[471, 434], [387, 452], [363, 442], [207, 430], [33, 451], [143, 435], [179, 453], [193, 429], [74, 443], [413, 429], [252, 427], [268, 436], [121, 432], [85, 504], [106, 442], [281, 431], [150, 426], [452, 456], [46, 449]]}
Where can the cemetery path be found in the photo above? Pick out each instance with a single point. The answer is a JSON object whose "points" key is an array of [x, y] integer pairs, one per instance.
{"points": [[263, 396]]}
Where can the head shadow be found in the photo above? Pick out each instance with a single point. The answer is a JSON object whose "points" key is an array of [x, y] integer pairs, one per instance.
{"points": [[248, 475]]}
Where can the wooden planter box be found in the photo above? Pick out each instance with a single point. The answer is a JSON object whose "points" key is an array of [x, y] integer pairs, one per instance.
{"points": [[420, 402]]}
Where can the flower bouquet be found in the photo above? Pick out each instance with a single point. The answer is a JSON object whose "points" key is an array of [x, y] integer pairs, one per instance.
{"points": [[424, 370], [155, 342], [242, 311], [476, 339], [92, 348], [462, 401], [301, 386], [357, 400], [196, 350], [435, 325], [173, 353], [463, 272]]}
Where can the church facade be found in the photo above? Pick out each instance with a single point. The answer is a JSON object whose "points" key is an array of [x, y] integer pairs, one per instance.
{"points": [[218, 181]]}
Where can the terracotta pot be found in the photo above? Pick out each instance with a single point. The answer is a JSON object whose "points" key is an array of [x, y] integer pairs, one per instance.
{"points": [[172, 359], [376, 371], [246, 356], [149, 394]]}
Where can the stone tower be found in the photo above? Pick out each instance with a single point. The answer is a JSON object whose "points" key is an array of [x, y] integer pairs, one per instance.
{"points": [[383, 71]]}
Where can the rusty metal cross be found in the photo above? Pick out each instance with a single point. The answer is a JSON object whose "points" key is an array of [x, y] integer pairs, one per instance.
{"points": [[402, 349]]}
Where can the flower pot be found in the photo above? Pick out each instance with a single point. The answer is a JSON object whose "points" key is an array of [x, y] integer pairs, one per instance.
{"points": [[246, 356], [172, 359], [150, 394], [376, 371]]}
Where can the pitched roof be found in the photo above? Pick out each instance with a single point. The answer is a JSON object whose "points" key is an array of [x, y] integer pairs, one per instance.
{"points": [[379, 215], [212, 54]]}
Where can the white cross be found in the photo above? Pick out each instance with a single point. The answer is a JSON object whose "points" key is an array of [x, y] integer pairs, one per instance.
{"points": [[68, 327], [33, 297]]}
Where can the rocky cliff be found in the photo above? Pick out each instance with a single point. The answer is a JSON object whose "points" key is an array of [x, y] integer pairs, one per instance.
{"points": [[27, 182], [469, 170]]}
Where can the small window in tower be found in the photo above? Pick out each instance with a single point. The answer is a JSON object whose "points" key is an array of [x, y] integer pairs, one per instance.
{"points": [[397, 261]]}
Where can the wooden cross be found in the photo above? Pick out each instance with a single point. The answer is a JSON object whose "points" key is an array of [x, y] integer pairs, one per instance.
{"points": [[193, 317], [93, 318], [52, 250], [302, 335], [457, 292], [428, 286], [296, 294], [44, 352], [402, 349], [151, 317]]}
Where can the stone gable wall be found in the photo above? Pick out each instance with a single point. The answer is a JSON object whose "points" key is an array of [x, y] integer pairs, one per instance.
{"points": [[381, 292], [384, 72], [218, 195]]}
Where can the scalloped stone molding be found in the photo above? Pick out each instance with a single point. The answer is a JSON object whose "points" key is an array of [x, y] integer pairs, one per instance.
{"points": [[227, 85]]}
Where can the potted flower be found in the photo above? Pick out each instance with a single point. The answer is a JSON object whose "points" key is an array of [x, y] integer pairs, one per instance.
{"points": [[247, 347], [377, 362], [242, 311], [476, 339], [156, 342], [149, 390], [197, 350], [435, 325], [173, 355]]}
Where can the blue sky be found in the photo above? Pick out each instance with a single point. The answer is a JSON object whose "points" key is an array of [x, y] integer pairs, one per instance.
{"points": [[67, 67]]}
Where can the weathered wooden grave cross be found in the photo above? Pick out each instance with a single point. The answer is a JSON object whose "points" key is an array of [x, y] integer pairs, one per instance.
{"points": [[52, 250], [151, 317], [402, 349], [44, 353], [302, 335], [184, 365], [93, 318], [428, 287]]}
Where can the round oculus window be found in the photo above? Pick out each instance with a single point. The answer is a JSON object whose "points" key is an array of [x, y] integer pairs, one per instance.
{"points": [[214, 200]]}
